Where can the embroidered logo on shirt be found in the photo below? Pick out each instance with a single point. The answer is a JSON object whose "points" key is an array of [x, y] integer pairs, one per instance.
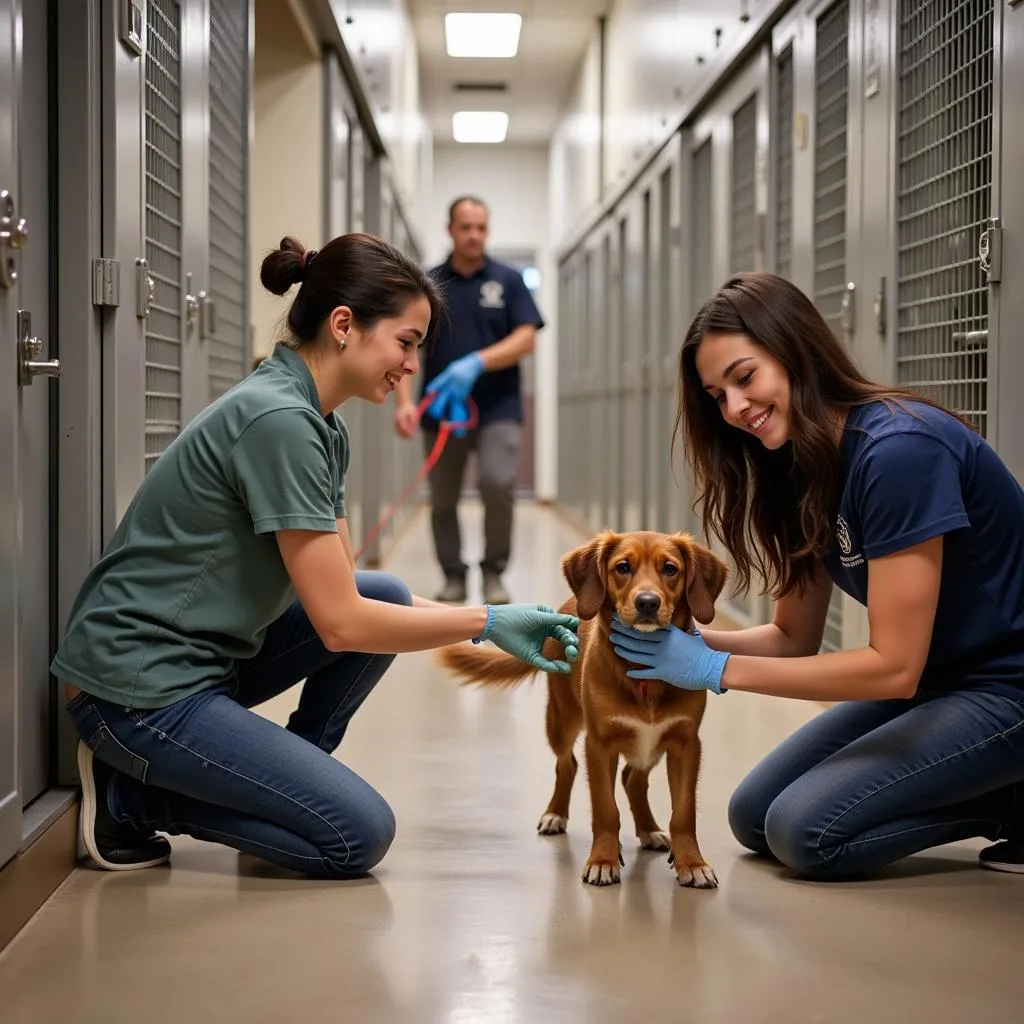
{"points": [[492, 295], [846, 545]]}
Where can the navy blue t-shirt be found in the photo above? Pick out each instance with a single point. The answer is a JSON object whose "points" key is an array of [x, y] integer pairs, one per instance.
{"points": [[912, 473], [481, 310]]}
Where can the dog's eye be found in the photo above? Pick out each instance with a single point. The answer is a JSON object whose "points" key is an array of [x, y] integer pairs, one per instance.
{"points": [[622, 568], [670, 570]]}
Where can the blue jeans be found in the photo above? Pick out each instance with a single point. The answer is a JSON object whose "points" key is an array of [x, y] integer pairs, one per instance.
{"points": [[869, 782], [208, 767]]}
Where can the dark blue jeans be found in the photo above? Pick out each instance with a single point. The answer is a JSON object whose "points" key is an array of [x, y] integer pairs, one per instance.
{"points": [[869, 782], [210, 768]]}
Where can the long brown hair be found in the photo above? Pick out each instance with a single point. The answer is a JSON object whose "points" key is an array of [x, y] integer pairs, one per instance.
{"points": [[773, 510]]}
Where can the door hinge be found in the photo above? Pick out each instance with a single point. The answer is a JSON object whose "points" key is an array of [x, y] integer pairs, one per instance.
{"points": [[990, 251], [132, 28], [106, 282]]}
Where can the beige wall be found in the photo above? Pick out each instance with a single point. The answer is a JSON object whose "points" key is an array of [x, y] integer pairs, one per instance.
{"points": [[287, 159]]}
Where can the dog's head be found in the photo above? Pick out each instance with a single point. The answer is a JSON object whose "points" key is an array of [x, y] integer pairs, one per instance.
{"points": [[649, 579]]}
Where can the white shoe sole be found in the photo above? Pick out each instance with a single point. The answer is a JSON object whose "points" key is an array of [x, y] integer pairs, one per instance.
{"points": [[1012, 869], [85, 758]]}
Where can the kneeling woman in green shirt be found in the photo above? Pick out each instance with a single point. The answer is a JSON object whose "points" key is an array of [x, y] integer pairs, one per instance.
{"points": [[190, 617]]}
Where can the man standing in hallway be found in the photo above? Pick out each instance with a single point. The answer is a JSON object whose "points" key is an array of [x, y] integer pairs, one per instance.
{"points": [[491, 325]]}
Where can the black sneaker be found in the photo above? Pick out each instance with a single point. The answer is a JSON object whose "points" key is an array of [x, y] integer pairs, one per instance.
{"points": [[1004, 856], [112, 846]]}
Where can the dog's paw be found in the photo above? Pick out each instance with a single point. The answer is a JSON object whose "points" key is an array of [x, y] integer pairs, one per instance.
{"points": [[654, 840], [598, 873], [552, 825], [696, 876]]}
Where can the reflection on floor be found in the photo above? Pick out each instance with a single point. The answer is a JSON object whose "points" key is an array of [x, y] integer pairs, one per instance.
{"points": [[474, 918]]}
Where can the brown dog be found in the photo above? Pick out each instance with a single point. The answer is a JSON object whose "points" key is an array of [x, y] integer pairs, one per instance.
{"points": [[650, 580]]}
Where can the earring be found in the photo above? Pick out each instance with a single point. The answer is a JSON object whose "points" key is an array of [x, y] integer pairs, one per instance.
{"points": [[342, 342]]}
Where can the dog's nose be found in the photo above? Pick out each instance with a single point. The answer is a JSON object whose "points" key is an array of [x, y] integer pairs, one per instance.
{"points": [[647, 603]]}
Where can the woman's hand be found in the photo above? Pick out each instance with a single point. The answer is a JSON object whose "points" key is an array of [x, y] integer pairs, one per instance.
{"points": [[521, 629], [672, 655]]}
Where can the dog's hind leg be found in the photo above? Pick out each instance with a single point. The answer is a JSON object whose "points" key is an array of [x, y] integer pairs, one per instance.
{"points": [[634, 781], [564, 721]]}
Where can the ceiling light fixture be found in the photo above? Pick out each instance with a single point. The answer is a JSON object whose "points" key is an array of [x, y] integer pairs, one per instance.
{"points": [[482, 35], [479, 125]]}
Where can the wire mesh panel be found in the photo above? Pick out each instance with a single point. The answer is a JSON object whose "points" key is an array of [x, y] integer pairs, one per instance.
{"points": [[743, 222], [830, 146], [609, 439], [944, 200], [700, 264], [163, 224], [229, 157], [831, 103], [667, 341], [700, 221], [617, 356], [784, 164]]}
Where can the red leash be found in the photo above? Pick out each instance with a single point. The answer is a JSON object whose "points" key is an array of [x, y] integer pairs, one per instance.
{"points": [[444, 431]]}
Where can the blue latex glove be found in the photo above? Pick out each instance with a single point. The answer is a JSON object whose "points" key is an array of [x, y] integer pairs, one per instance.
{"points": [[521, 629], [453, 385], [458, 413], [672, 655]]}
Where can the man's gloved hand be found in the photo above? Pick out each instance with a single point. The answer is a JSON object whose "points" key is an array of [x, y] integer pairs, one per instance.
{"points": [[453, 385], [521, 629], [672, 655]]}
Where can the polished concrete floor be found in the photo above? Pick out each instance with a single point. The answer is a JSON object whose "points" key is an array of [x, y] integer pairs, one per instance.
{"points": [[473, 917]]}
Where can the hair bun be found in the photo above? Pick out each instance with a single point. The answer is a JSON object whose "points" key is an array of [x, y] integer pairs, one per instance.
{"points": [[284, 267]]}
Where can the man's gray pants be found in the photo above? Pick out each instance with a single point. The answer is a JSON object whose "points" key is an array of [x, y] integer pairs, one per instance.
{"points": [[497, 456]]}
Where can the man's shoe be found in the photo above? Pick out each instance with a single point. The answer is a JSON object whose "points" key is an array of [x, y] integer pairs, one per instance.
{"points": [[112, 846], [453, 592], [1004, 856], [494, 590]]}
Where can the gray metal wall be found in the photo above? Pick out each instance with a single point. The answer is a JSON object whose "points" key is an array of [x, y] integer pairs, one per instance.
{"points": [[860, 149], [360, 196]]}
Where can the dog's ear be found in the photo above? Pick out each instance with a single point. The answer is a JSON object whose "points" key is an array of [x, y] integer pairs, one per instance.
{"points": [[584, 571], [706, 576]]}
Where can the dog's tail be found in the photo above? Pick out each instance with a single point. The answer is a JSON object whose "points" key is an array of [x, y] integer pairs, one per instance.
{"points": [[485, 666], [489, 666]]}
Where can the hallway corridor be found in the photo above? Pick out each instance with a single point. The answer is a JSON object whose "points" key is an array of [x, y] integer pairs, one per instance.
{"points": [[472, 917]]}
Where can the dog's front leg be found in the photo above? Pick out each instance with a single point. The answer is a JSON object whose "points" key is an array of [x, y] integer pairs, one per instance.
{"points": [[683, 767], [602, 867]]}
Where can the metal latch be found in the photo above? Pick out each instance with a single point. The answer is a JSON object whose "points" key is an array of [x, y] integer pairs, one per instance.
{"points": [[28, 349], [145, 289], [970, 340], [990, 251], [192, 303], [881, 318], [207, 316], [848, 316], [106, 282]]}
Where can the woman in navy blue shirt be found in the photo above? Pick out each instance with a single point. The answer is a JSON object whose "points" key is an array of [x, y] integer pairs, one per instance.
{"points": [[813, 476]]}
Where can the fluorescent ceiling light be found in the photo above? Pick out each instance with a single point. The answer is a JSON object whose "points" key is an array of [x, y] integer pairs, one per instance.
{"points": [[482, 35], [479, 126]]}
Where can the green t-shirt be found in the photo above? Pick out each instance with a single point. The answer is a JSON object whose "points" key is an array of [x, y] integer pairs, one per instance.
{"points": [[193, 576]]}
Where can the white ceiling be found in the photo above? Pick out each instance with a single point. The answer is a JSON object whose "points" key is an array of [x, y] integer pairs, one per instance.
{"points": [[551, 46]]}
